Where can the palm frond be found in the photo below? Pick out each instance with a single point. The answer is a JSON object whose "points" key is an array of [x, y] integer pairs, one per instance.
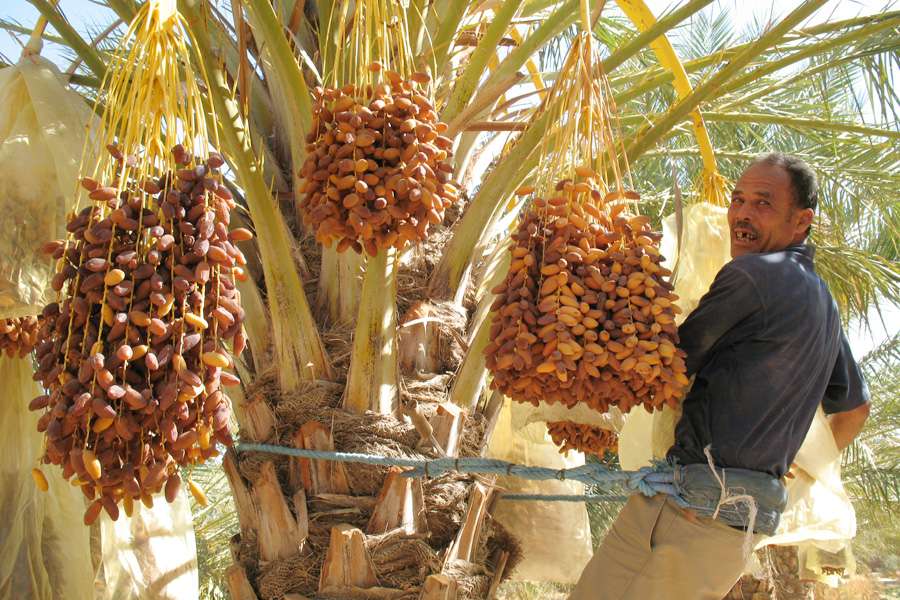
{"points": [[708, 33], [602, 514], [871, 465], [858, 222], [883, 356], [214, 525], [15, 27], [879, 72], [85, 51]]}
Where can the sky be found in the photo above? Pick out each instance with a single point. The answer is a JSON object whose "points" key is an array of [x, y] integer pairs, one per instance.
{"points": [[86, 14], [746, 11]]}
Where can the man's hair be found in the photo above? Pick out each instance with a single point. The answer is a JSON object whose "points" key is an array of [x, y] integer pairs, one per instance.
{"points": [[803, 178]]}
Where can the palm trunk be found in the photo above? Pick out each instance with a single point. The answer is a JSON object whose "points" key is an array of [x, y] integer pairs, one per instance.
{"points": [[334, 530], [781, 580]]}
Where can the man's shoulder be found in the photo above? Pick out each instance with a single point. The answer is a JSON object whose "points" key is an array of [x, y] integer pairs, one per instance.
{"points": [[766, 267], [747, 268]]}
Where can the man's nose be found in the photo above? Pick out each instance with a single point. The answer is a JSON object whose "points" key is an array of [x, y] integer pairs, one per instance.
{"points": [[743, 212]]}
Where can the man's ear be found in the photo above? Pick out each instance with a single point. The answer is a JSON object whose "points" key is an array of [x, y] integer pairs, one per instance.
{"points": [[805, 221]]}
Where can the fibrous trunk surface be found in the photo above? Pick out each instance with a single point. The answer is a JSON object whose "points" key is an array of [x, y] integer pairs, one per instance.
{"points": [[316, 529]]}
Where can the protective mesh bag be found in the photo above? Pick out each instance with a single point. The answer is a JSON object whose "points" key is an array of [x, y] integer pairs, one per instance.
{"points": [[703, 250], [44, 549], [44, 554], [42, 126], [151, 555], [555, 537], [819, 509]]}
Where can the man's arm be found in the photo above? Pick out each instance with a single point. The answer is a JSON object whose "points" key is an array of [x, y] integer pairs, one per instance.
{"points": [[731, 298], [846, 397], [846, 425]]}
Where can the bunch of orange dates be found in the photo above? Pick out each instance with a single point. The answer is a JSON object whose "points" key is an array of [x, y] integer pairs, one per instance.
{"points": [[378, 173], [586, 315]]}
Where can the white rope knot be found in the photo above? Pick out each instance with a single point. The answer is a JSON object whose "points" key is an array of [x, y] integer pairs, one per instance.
{"points": [[727, 497]]}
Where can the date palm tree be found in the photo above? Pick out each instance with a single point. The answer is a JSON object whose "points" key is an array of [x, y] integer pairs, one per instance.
{"points": [[385, 354]]}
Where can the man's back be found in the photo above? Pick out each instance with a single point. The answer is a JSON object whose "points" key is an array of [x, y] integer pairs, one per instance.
{"points": [[767, 347]]}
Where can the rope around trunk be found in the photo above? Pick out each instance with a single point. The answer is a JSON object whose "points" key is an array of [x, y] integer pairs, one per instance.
{"points": [[649, 481]]}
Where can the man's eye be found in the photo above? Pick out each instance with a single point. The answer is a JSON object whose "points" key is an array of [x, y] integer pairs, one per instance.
{"points": [[764, 203]]}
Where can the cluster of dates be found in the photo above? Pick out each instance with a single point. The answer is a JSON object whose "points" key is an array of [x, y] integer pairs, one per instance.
{"points": [[377, 174], [135, 354], [585, 314]]}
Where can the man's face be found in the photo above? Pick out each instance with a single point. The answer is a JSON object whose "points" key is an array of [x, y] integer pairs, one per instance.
{"points": [[764, 216]]}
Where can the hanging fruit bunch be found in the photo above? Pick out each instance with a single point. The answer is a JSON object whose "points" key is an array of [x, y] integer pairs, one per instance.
{"points": [[19, 336], [377, 174], [585, 315], [583, 438], [134, 354]]}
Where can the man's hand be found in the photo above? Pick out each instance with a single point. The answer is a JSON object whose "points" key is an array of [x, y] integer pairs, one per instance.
{"points": [[792, 471], [846, 425]]}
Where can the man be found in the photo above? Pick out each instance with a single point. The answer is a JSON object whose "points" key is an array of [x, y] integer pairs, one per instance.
{"points": [[766, 347]]}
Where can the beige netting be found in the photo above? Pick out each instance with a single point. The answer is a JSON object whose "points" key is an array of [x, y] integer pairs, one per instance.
{"points": [[42, 556], [42, 126], [44, 550], [533, 523], [151, 555]]}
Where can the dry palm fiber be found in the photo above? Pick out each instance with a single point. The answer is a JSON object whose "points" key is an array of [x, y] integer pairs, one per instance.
{"points": [[338, 340], [426, 388], [297, 574], [368, 433], [244, 548], [321, 523], [420, 260], [402, 561], [135, 349], [431, 337], [445, 506], [585, 314], [377, 174], [495, 541], [473, 579]]}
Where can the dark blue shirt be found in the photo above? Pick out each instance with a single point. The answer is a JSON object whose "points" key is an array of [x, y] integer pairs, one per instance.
{"points": [[767, 347]]}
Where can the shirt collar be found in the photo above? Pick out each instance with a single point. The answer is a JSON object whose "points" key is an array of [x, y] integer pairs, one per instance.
{"points": [[803, 249]]}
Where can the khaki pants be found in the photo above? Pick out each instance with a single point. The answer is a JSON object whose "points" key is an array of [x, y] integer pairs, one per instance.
{"points": [[655, 552]]}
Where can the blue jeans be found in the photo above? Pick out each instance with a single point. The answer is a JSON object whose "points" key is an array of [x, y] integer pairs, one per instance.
{"points": [[696, 484]]}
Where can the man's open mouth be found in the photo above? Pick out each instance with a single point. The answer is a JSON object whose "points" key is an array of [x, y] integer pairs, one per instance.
{"points": [[745, 235]]}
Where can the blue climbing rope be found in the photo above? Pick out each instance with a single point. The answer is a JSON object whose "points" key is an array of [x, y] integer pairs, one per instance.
{"points": [[649, 481]]}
